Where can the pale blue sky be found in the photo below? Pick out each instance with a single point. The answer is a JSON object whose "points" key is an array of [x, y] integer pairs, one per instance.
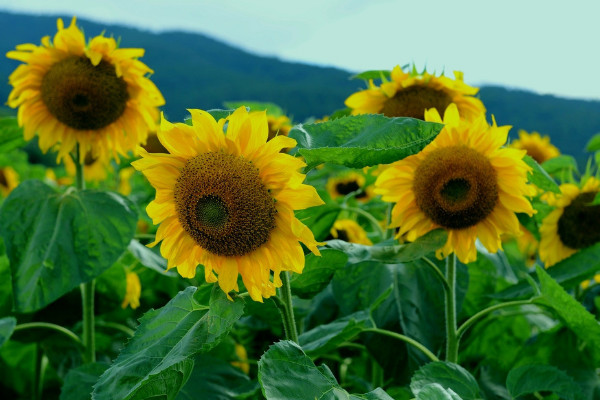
{"points": [[550, 47]]}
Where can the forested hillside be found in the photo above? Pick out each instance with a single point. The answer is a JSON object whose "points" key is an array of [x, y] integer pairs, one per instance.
{"points": [[195, 71]]}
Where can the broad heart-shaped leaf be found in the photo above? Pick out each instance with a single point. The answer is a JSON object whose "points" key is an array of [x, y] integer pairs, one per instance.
{"points": [[363, 140], [215, 379], [286, 373], [56, 241], [159, 358], [149, 258], [7, 326], [319, 219], [536, 378], [435, 391], [569, 272], [325, 338], [574, 315], [392, 253], [317, 273], [11, 136], [449, 376], [79, 381], [561, 165], [539, 177]]}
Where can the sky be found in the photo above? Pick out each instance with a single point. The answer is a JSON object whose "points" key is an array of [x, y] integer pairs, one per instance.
{"points": [[549, 46]]}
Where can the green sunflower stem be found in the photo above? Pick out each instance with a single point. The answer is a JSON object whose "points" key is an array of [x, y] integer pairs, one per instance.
{"points": [[451, 330], [87, 289], [289, 321]]}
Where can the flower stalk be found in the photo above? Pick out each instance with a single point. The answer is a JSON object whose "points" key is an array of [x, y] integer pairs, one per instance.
{"points": [[289, 321], [450, 312]]}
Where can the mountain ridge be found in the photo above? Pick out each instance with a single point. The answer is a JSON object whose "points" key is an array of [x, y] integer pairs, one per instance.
{"points": [[196, 71]]}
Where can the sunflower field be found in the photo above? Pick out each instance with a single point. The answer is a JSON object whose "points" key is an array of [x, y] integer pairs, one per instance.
{"points": [[398, 248]]}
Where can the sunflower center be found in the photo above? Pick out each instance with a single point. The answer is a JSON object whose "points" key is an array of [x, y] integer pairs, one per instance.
{"points": [[456, 187], [414, 100], [579, 225], [223, 204], [345, 188], [84, 96], [3, 180], [536, 153]]}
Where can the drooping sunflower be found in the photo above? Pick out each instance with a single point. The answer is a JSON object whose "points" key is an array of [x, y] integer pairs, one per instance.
{"points": [[350, 231], [463, 182], [573, 225], [9, 179], [227, 201], [344, 184], [133, 290], [537, 146], [95, 95], [410, 94]]}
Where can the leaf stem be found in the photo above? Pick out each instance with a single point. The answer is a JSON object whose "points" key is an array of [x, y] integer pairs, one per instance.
{"points": [[406, 339], [47, 325], [372, 220], [451, 334], [468, 323], [438, 272], [288, 315], [119, 327]]}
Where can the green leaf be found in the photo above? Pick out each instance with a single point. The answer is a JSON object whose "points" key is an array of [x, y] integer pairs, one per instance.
{"points": [[569, 272], [11, 135], [214, 379], [373, 74], [574, 315], [286, 373], [392, 254], [593, 144], [7, 326], [319, 219], [560, 165], [536, 378], [271, 108], [158, 360], [325, 338], [363, 140], [79, 381], [539, 177], [56, 241], [449, 376], [435, 391], [149, 259], [317, 273]]}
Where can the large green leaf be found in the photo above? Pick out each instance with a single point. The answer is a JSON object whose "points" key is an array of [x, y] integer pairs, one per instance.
{"points": [[593, 144], [158, 360], [11, 136], [435, 391], [569, 272], [79, 381], [56, 241], [536, 378], [392, 253], [214, 379], [319, 219], [574, 315], [149, 258], [286, 373], [449, 376], [363, 140], [7, 326], [317, 273], [560, 166], [539, 177], [325, 338]]}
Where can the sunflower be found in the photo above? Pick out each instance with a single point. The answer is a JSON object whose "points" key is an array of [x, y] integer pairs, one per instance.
{"points": [[94, 95], [227, 201], [133, 290], [350, 231], [9, 179], [343, 185], [538, 147], [278, 125], [573, 225], [463, 182], [410, 94], [94, 169]]}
